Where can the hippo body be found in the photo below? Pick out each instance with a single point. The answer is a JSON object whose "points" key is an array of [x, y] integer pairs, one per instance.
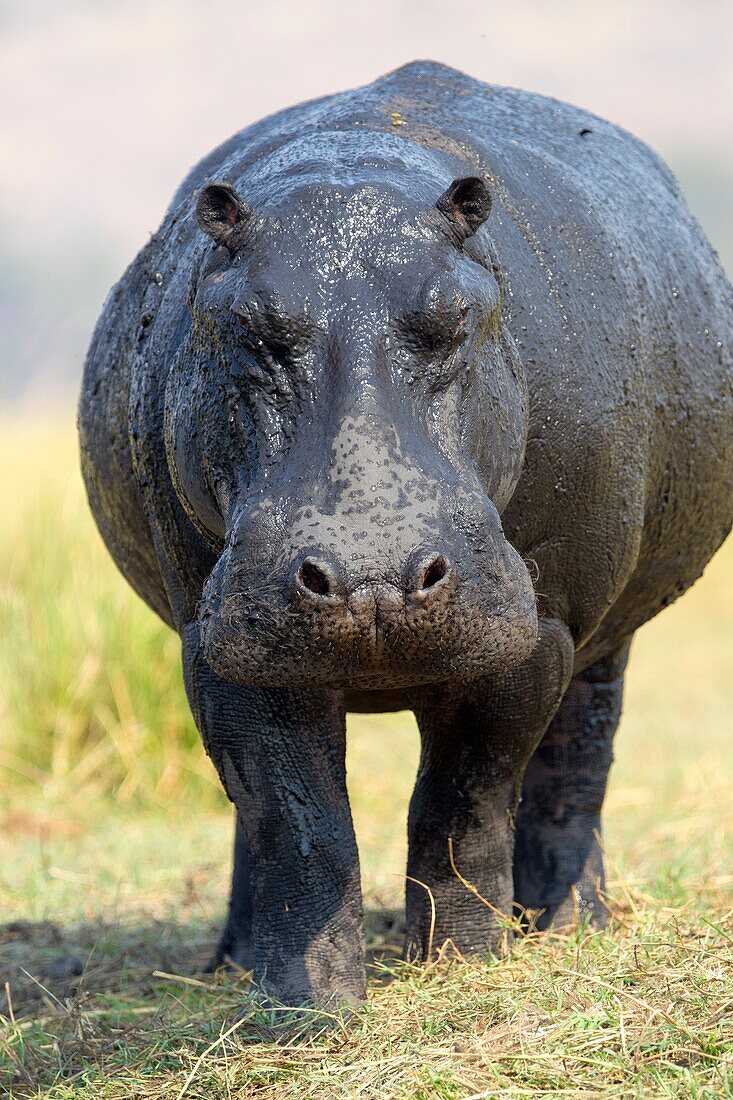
{"points": [[419, 398]]}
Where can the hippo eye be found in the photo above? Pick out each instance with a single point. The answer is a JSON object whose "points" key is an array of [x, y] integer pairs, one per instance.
{"points": [[272, 339], [432, 336], [434, 339], [244, 322]]}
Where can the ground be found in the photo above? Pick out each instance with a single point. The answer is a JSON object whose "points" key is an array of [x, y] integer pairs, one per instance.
{"points": [[114, 857]]}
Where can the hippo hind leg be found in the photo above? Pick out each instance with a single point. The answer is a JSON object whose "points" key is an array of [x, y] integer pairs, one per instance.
{"points": [[558, 863], [235, 946]]}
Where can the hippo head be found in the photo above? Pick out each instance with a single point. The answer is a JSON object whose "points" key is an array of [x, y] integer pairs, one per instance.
{"points": [[345, 422]]}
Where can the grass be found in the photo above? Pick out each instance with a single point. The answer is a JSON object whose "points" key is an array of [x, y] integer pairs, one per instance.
{"points": [[114, 855]]}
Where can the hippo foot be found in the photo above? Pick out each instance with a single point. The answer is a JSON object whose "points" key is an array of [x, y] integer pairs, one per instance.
{"points": [[583, 903], [233, 952], [264, 1017]]}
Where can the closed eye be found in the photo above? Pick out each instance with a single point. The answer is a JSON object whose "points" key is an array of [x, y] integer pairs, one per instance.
{"points": [[282, 339], [433, 336], [251, 339], [254, 339]]}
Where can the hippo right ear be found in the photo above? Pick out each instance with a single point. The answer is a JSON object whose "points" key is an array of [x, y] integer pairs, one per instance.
{"points": [[466, 204], [221, 213]]}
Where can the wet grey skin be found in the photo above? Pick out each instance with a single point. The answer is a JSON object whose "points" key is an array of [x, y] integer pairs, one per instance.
{"points": [[428, 416]]}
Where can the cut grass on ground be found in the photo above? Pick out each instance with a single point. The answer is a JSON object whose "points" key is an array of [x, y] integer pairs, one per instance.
{"points": [[114, 854]]}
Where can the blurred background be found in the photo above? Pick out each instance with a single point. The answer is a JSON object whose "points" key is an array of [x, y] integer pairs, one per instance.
{"points": [[107, 104]]}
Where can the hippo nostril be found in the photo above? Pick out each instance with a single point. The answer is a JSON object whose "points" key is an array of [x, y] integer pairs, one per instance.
{"points": [[315, 577], [433, 572]]}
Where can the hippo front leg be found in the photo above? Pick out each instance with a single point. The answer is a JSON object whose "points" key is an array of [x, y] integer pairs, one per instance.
{"points": [[476, 742], [280, 754]]}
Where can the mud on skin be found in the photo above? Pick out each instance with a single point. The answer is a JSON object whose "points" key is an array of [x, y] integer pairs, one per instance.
{"points": [[431, 417]]}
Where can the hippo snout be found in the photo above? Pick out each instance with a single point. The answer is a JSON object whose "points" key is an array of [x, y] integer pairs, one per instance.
{"points": [[321, 581], [330, 619]]}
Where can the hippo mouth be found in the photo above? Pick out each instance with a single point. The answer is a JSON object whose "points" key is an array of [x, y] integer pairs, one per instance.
{"points": [[377, 637]]}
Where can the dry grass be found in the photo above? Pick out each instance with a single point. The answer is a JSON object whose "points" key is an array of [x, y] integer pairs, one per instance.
{"points": [[114, 849], [646, 1009]]}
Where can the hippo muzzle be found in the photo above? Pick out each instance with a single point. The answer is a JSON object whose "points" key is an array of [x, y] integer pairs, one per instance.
{"points": [[451, 600]]}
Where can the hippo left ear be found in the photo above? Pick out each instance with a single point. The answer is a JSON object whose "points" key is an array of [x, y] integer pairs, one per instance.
{"points": [[221, 213], [466, 203]]}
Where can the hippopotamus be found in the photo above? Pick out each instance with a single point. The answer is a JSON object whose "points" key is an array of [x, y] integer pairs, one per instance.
{"points": [[420, 398]]}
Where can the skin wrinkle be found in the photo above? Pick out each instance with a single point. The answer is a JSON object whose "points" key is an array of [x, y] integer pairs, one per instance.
{"points": [[329, 368]]}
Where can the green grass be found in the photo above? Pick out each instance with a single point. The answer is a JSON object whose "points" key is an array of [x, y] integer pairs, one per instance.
{"points": [[114, 856]]}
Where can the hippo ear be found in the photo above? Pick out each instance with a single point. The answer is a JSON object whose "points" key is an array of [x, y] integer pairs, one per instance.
{"points": [[221, 213], [466, 203]]}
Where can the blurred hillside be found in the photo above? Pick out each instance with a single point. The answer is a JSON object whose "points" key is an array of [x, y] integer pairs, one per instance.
{"points": [[106, 105]]}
